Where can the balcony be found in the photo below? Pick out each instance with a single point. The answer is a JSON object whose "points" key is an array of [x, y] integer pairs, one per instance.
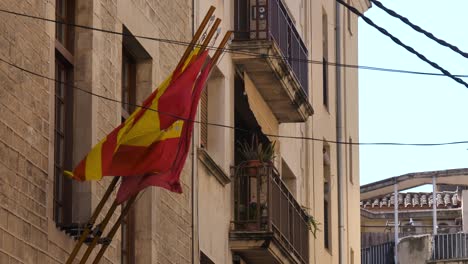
{"points": [[269, 225], [271, 51]]}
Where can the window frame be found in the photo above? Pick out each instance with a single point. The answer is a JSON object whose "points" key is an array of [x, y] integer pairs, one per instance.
{"points": [[128, 60], [68, 18], [127, 246], [63, 109], [325, 74], [327, 221]]}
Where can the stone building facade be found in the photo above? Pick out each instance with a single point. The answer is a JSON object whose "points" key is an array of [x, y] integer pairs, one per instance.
{"points": [[52, 119], [30, 229]]}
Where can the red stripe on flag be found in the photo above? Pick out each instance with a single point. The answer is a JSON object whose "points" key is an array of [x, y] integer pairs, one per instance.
{"points": [[170, 179], [133, 160]]}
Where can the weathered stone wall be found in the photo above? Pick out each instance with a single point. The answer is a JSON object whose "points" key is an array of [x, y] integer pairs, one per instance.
{"points": [[24, 136], [416, 249], [27, 231]]}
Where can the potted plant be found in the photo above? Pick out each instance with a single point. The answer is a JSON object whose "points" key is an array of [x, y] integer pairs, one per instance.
{"points": [[256, 153]]}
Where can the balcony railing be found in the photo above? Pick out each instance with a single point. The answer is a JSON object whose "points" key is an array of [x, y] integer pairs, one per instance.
{"points": [[269, 20], [263, 203], [450, 246], [378, 254]]}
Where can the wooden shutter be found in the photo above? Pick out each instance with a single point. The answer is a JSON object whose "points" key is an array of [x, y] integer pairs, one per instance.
{"points": [[204, 119]]}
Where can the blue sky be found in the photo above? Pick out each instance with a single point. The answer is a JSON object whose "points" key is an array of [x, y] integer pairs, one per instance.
{"points": [[397, 107]]}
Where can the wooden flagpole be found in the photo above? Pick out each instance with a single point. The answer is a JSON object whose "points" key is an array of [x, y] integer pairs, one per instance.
{"points": [[210, 35], [92, 220], [98, 233], [220, 49], [114, 229], [127, 207], [196, 36], [111, 187]]}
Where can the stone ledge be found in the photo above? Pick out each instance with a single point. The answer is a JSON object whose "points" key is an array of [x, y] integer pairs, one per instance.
{"points": [[213, 167]]}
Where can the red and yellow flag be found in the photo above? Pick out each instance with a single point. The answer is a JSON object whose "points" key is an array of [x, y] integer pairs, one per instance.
{"points": [[169, 179], [148, 142]]}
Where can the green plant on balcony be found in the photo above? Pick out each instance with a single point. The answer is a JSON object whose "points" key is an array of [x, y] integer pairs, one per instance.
{"points": [[256, 153], [312, 223]]}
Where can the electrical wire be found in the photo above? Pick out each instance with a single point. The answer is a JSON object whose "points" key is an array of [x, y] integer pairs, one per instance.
{"points": [[233, 127], [400, 43], [419, 29], [231, 50]]}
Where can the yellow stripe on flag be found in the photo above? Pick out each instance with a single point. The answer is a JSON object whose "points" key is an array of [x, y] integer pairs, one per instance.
{"points": [[146, 138], [93, 169]]}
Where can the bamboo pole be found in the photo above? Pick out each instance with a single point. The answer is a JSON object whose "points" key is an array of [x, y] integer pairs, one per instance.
{"points": [[98, 234], [114, 229], [92, 220], [210, 35], [196, 36]]}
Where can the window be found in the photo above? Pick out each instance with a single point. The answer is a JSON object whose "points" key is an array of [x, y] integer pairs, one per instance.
{"points": [[135, 81], [350, 27], [350, 150], [326, 197], [127, 251], [128, 103], [128, 83], [212, 110], [325, 58], [65, 12], [63, 132]]}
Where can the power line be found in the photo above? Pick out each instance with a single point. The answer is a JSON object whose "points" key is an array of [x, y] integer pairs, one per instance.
{"points": [[230, 50], [400, 43], [419, 29], [232, 127]]}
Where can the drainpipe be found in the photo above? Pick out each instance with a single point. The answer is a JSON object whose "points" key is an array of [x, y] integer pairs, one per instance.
{"points": [[339, 135], [195, 249]]}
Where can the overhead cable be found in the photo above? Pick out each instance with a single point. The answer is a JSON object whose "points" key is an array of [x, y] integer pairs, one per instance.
{"points": [[230, 50], [227, 126], [419, 29], [400, 43]]}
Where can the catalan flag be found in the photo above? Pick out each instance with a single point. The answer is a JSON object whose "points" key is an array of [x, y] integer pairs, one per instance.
{"points": [[151, 140], [168, 179]]}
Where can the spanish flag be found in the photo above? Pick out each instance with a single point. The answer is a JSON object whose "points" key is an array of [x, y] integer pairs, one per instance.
{"points": [[153, 139]]}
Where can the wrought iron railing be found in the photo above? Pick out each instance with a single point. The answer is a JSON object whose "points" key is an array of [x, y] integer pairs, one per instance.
{"points": [[450, 246], [379, 254], [269, 20], [263, 203]]}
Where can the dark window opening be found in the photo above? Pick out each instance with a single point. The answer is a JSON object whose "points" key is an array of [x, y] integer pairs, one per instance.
{"points": [[325, 59], [63, 117], [127, 252], [326, 197], [325, 82], [326, 227], [128, 83], [65, 13], [63, 142], [205, 259]]}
